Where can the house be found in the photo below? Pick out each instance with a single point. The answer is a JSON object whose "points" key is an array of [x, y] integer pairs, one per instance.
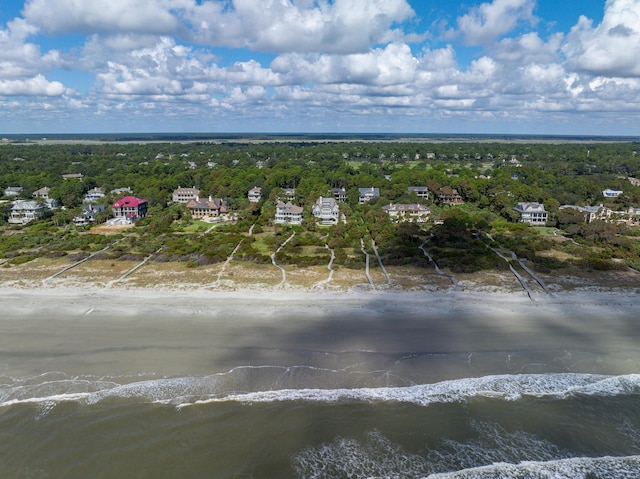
{"points": [[255, 194], [77, 176], [367, 194], [13, 191], [407, 212], [130, 208], [207, 207], [88, 214], [634, 181], [286, 213], [608, 193], [449, 196], [184, 195], [532, 213], [24, 211], [340, 194], [93, 195], [591, 213], [120, 191], [42, 193], [326, 210], [420, 191], [290, 193]]}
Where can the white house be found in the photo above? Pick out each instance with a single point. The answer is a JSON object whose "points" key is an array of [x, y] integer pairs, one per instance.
{"points": [[13, 191], [93, 195], [288, 214], [327, 210], [367, 194], [42, 193], [532, 213], [23, 211], [407, 212], [591, 213], [184, 195], [255, 194], [608, 193]]}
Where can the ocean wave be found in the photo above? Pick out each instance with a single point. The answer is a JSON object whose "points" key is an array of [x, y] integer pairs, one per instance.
{"points": [[273, 384], [495, 453], [506, 387], [573, 468]]}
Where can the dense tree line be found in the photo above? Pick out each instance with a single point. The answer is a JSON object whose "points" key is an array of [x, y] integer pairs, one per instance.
{"points": [[491, 176]]}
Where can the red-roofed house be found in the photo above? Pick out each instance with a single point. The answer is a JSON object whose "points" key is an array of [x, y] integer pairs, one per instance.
{"points": [[130, 208]]}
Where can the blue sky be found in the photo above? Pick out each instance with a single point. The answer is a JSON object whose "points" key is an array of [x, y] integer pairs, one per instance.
{"points": [[404, 66]]}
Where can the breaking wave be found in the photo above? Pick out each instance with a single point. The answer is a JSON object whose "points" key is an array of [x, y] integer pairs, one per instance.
{"points": [[272, 384]]}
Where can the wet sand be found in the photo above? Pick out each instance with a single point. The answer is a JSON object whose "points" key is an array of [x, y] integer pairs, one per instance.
{"points": [[151, 333]]}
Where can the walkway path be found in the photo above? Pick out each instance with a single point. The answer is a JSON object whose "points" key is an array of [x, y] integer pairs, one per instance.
{"points": [[523, 283], [67, 268], [438, 270], [366, 269], [273, 260], [329, 267], [522, 264], [132, 270], [384, 270]]}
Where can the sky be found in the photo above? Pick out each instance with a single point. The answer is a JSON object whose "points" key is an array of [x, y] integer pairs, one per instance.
{"points": [[342, 66]]}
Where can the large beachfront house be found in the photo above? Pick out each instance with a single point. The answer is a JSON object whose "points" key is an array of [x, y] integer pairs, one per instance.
{"points": [[288, 214], [407, 212], [326, 210], [207, 207], [184, 195], [130, 208], [24, 211], [532, 213]]}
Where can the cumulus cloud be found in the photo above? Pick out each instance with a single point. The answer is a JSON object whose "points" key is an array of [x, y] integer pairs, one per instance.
{"points": [[69, 16], [266, 25], [490, 21], [611, 48], [352, 58], [20, 58], [36, 86]]}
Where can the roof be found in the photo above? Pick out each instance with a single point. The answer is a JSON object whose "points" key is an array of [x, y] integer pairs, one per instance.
{"points": [[208, 203], [369, 191], [129, 201], [289, 208], [530, 207], [414, 208]]}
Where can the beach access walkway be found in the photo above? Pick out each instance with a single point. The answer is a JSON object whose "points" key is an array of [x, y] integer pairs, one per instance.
{"points": [[518, 276], [451, 277], [67, 268], [273, 259], [329, 267]]}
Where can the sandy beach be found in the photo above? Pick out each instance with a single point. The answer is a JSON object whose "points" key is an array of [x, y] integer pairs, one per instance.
{"points": [[170, 332]]}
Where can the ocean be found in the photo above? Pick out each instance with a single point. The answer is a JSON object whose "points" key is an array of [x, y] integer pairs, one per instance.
{"points": [[351, 397]]}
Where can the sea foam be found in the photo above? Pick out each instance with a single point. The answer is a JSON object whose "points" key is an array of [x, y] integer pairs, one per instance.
{"points": [[272, 384]]}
